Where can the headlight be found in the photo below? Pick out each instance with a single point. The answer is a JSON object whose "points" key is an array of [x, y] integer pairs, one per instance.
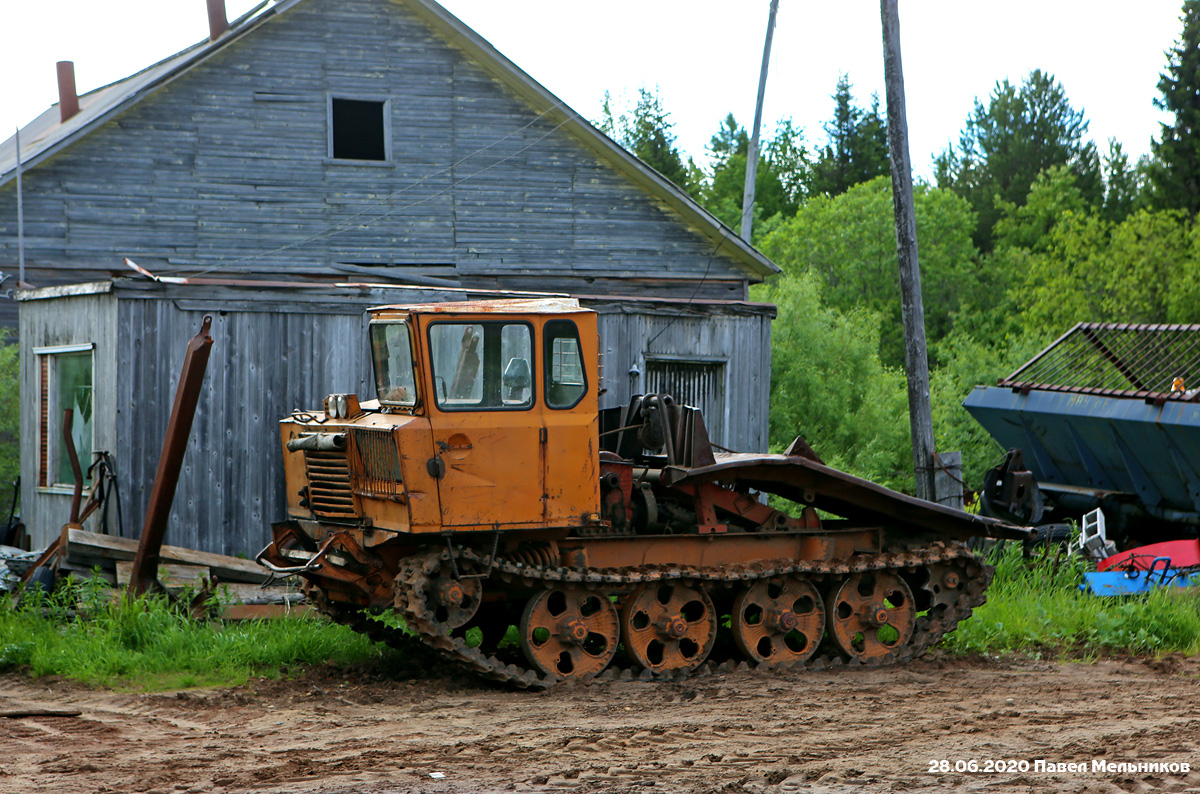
{"points": [[342, 406]]}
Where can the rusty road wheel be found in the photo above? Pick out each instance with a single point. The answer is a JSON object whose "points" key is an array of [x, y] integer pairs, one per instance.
{"points": [[454, 600], [871, 615], [779, 620], [668, 626], [569, 632]]}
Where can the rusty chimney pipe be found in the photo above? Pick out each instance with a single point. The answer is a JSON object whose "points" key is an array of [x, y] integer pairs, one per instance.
{"points": [[218, 23], [68, 100]]}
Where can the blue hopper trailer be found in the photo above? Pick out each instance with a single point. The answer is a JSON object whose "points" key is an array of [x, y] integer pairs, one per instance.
{"points": [[1108, 416]]}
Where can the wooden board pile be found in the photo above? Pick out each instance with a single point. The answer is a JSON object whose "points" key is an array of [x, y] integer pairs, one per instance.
{"points": [[85, 554]]}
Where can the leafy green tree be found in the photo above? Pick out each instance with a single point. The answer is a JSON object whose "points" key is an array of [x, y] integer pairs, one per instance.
{"points": [[828, 385], [1019, 133], [967, 362], [10, 417], [849, 242], [857, 150], [647, 132], [1054, 193], [1175, 170], [1143, 269]]}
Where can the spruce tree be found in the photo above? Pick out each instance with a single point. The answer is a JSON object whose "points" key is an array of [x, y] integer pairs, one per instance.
{"points": [[1019, 133], [857, 150], [1175, 170]]}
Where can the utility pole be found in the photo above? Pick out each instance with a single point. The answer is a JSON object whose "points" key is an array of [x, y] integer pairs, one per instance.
{"points": [[20, 218], [752, 152], [916, 361]]}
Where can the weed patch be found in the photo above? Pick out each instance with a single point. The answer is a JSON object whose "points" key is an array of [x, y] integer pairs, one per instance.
{"points": [[84, 633], [1036, 606]]}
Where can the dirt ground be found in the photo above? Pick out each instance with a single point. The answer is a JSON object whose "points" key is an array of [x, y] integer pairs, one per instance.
{"points": [[372, 732]]}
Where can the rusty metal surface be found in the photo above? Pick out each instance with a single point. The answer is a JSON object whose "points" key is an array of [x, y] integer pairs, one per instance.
{"points": [[218, 23], [187, 395], [73, 457], [1144, 361], [68, 97], [938, 563], [807, 482]]}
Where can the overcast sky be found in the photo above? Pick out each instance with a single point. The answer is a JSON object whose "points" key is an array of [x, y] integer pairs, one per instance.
{"points": [[702, 56]]}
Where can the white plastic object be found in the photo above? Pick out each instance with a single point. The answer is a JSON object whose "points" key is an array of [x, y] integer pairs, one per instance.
{"points": [[1092, 540]]}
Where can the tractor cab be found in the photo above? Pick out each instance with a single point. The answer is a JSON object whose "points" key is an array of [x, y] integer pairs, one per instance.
{"points": [[484, 417]]}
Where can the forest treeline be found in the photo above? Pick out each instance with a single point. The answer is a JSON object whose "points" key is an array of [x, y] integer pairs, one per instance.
{"points": [[1028, 227]]}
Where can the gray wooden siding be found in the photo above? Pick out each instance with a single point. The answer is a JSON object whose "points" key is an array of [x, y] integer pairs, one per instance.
{"points": [[225, 166], [740, 341], [263, 365], [90, 320]]}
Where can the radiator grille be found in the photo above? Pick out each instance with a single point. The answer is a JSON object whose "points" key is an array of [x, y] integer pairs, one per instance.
{"points": [[375, 463], [329, 484]]}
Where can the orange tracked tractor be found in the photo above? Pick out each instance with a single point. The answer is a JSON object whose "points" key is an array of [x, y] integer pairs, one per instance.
{"points": [[523, 533]]}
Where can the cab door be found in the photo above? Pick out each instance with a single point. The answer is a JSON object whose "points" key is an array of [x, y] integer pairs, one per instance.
{"points": [[486, 422], [569, 378]]}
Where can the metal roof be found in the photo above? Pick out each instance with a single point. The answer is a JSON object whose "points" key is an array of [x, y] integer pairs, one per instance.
{"points": [[493, 306], [385, 294], [46, 135]]}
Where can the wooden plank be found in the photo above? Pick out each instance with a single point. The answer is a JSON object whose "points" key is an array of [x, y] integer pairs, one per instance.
{"points": [[170, 575], [264, 611], [92, 545], [246, 593]]}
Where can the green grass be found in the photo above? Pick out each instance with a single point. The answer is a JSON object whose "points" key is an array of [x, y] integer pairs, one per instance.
{"points": [[1035, 606], [83, 633]]}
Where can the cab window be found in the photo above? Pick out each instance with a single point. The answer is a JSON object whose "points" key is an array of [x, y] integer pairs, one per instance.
{"points": [[481, 366], [566, 381], [391, 355]]}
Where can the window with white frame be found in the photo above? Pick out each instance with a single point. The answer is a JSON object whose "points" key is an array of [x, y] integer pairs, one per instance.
{"points": [[65, 383]]}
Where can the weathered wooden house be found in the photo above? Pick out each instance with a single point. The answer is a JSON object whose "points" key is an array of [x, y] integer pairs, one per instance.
{"points": [[321, 138], [322, 142]]}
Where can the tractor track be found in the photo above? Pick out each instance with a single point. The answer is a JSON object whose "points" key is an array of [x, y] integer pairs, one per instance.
{"points": [[433, 641]]}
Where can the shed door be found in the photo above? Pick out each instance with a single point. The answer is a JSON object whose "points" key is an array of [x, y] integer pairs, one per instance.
{"points": [[700, 384]]}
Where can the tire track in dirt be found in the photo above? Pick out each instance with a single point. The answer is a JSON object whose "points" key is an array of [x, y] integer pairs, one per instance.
{"points": [[849, 730]]}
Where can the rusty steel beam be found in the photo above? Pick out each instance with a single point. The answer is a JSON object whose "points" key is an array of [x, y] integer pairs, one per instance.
{"points": [[73, 457], [804, 482], [154, 529]]}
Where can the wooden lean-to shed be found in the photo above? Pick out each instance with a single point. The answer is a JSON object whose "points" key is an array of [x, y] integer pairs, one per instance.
{"points": [[279, 347], [307, 146]]}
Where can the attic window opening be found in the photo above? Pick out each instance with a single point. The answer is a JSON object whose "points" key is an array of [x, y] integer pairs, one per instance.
{"points": [[358, 129]]}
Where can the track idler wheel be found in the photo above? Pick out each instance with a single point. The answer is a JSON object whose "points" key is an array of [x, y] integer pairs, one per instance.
{"points": [[668, 627], [871, 615], [569, 632], [454, 600], [778, 621]]}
